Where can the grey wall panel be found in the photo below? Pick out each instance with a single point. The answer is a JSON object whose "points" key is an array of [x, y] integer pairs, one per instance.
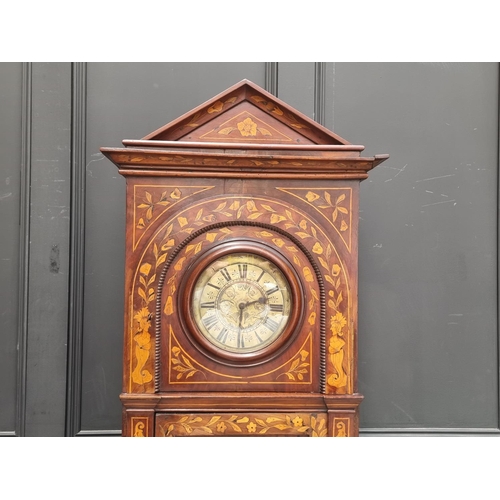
{"points": [[10, 181], [428, 251], [48, 249], [428, 345], [296, 85], [126, 101]]}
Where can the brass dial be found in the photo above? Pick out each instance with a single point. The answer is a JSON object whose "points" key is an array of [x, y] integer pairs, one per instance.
{"points": [[241, 302]]}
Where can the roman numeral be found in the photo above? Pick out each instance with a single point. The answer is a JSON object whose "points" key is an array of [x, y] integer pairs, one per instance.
{"points": [[261, 274], [208, 305], [210, 321], [214, 286], [223, 335], [225, 273], [241, 341], [272, 290], [271, 324], [275, 307], [243, 268]]}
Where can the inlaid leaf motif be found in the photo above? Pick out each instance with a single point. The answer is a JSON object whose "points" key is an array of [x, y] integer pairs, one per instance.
{"points": [[282, 427], [213, 420], [310, 196], [270, 420], [180, 264], [329, 279], [142, 293], [168, 245], [258, 98], [216, 107], [176, 194], [182, 221], [169, 306], [226, 131], [145, 268], [195, 118], [324, 263], [308, 275], [275, 218], [312, 318], [183, 366], [161, 259], [255, 215], [303, 235], [268, 208], [265, 234]]}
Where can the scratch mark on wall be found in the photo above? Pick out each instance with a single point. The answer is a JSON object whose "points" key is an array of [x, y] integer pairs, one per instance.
{"points": [[401, 409], [434, 178], [399, 170], [438, 203]]}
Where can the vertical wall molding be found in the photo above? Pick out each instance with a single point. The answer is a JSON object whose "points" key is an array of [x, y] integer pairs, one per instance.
{"points": [[77, 248], [271, 73], [24, 242], [498, 252], [324, 93], [319, 92]]}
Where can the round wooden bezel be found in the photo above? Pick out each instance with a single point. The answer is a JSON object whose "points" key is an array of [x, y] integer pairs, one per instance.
{"points": [[185, 296]]}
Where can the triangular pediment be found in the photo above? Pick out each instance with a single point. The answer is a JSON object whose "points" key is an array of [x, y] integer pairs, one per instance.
{"points": [[246, 113]]}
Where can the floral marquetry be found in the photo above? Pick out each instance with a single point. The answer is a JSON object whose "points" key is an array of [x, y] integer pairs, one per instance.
{"points": [[241, 276], [252, 424]]}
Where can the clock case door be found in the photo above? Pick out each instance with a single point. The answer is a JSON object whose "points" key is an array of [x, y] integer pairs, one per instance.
{"points": [[242, 171]]}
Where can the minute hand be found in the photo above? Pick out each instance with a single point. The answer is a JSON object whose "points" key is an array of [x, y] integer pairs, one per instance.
{"points": [[261, 300]]}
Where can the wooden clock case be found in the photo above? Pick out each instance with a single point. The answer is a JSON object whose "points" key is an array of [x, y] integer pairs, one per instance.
{"points": [[243, 171]]}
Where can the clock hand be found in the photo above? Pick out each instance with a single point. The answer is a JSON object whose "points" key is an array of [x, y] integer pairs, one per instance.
{"points": [[261, 300], [241, 306]]}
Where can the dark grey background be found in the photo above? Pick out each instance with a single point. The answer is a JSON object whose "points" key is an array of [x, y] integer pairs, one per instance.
{"points": [[428, 334]]}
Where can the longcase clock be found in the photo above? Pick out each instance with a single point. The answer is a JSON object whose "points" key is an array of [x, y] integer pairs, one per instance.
{"points": [[241, 273]]}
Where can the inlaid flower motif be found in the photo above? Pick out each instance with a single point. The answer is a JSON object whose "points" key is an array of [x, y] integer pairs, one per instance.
{"points": [[142, 318], [247, 127], [221, 427], [337, 323], [252, 427], [297, 422]]}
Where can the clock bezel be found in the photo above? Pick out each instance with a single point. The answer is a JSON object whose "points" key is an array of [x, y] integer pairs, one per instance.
{"points": [[193, 273]]}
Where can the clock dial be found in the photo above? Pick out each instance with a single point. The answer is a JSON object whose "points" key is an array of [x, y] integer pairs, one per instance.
{"points": [[241, 302]]}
